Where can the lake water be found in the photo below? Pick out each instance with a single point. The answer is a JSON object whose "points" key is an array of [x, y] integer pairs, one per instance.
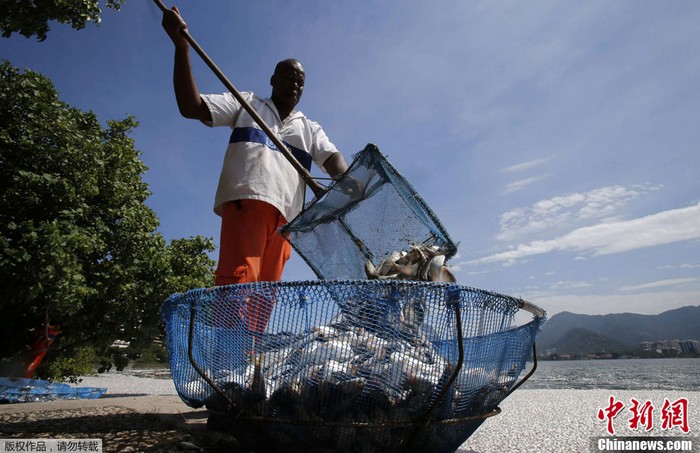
{"points": [[624, 374]]}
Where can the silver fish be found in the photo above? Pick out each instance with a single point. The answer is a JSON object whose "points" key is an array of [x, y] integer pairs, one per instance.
{"points": [[413, 314], [420, 262]]}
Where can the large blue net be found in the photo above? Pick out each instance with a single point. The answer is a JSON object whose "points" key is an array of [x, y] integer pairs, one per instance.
{"points": [[338, 232], [347, 365]]}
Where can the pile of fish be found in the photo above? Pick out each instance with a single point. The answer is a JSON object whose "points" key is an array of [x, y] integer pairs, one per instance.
{"points": [[356, 356], [370, 366], [362, 382], [420, 262]]}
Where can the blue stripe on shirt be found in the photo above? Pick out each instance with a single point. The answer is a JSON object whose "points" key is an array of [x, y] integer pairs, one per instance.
{"points": [[255, 135]]}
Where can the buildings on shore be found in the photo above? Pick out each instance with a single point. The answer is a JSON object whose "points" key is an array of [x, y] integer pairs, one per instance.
{"points": [[672, 346], [647, 349]]}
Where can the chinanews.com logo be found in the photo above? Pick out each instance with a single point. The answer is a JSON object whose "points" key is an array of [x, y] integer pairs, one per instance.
{"points": [[643, 444], [642, 417]]}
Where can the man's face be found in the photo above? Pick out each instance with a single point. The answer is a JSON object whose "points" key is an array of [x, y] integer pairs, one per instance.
{"points": [[288, 84]]}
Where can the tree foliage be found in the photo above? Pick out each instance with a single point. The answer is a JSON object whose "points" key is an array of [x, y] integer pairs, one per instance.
{"points": [[31, 17], [78, 244]]}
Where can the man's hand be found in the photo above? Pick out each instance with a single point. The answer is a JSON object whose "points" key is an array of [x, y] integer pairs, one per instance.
{"points": [[172, 24], [350, 186]]}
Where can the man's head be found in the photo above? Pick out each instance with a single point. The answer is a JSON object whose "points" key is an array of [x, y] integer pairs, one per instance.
{"points": [[287, 85]]}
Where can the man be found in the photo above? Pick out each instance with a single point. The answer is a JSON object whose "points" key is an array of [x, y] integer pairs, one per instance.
{"points": [[259, 190]]}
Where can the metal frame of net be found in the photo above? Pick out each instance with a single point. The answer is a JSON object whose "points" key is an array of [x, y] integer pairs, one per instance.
{"points": [[347, 365], [337, 232]]}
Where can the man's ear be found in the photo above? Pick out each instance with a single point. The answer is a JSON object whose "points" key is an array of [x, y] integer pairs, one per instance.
{"points": [[272, 80]]}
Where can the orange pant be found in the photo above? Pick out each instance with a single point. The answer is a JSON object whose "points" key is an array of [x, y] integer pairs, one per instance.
{"points": [[252, 250]]}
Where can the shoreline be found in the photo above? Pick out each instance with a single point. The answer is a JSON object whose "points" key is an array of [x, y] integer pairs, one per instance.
{"points": [[145, 414]]}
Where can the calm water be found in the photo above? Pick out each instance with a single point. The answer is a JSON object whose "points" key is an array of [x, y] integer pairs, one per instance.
{"points": [[632, 374]]}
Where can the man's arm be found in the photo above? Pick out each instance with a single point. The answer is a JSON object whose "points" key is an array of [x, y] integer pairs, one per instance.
{"points": [[335, 165], [186, 93]]}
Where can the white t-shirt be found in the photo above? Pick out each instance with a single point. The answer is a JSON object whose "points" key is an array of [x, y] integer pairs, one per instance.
{"points": [[253, 167]]}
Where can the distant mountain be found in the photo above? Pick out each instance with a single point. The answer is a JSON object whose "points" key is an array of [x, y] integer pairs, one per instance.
{"points": [[579, 334], [580, 341]]}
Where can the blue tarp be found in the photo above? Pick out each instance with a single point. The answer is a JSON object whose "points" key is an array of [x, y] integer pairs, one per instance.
{"points": [[23, 390]]}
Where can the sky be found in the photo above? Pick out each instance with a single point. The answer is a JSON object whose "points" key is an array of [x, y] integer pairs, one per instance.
{"points": [[557, 141]]}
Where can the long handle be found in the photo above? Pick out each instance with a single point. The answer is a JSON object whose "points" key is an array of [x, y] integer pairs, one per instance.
{"points": [[317, 189]]}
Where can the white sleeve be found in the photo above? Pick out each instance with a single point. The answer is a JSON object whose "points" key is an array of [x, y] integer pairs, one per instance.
{"points": [[322, 148], [224, 108]]}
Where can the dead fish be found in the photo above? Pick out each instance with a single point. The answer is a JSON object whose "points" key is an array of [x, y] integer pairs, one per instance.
{"points": [[420, 262], [470, 378], [198, 387], [417, 398], [391, 271], [286, 402], [337, 372], [256, 388], [413, 314], [387, 268], [319, 353], [325, 332], [394, 377], [435, 270], [417, 369]]}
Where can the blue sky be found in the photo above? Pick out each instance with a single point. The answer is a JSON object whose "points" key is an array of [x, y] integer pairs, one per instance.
{"points": [[556, 140]]}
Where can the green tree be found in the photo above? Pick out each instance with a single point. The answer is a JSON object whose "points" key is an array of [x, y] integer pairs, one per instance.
{"points": [[31, 17], [78, 245]]}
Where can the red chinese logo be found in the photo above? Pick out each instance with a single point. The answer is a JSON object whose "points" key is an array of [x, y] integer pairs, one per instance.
{"points": [[610, 412], [673, 414], [641, 415]]}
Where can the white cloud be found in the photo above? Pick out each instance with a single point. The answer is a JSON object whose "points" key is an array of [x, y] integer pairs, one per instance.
{"points": [[592, 304], [564, 211], [614, 237], [681, 266], [519, 185], [566, 284], [659, 284], [526, 165]]}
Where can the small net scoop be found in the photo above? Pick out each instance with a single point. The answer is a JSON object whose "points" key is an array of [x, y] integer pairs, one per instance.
{"points": [[366, 218]]}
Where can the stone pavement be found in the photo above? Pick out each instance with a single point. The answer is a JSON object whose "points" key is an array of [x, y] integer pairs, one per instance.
{"points": [[124, 423]]}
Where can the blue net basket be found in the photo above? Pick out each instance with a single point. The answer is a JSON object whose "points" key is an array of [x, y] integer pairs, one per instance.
{"points": [[347, 365]]}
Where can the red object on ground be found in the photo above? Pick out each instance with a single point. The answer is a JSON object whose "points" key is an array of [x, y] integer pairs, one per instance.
{"points": [[43, 338]]}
